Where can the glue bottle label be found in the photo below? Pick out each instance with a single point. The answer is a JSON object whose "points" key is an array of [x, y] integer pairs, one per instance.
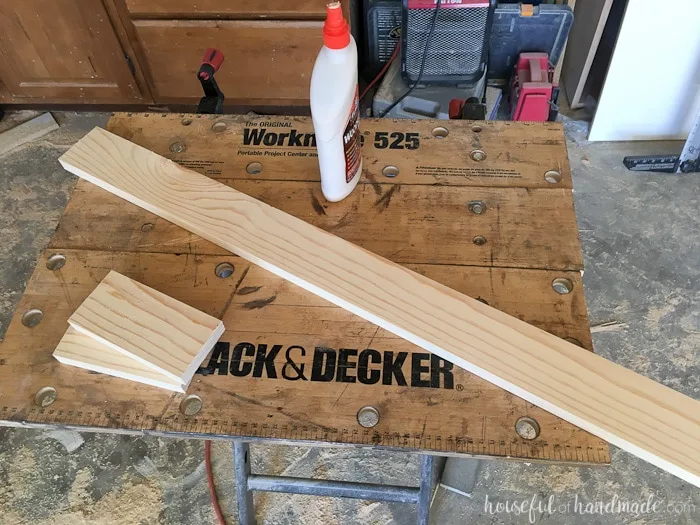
{"points": [[351, 140]]}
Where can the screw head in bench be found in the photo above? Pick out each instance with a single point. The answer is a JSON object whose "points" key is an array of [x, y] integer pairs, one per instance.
{"points": [[390, 171], [440, 132], [177, 147], [254, 168], [552, 176], [477, 207], [45, 396], [56, 262], [32, 317], [478, 155]]}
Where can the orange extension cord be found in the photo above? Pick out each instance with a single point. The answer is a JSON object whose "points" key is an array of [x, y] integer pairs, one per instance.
{"points": [[210, 481]]}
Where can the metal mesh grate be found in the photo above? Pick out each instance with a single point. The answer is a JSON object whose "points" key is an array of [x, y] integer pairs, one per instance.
{"points": [[456, 46]]}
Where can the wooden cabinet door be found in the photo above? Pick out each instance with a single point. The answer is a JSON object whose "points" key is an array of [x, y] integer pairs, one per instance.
{"points": [[62, 50], [232, 9]]}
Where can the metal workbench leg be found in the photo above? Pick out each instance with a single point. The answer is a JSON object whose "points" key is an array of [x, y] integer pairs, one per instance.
{"points": [[247, 482], [241, 466], [425, 494]]}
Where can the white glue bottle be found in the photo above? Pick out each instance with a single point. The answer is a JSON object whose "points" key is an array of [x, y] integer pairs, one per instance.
{"points": [[335, 108]]}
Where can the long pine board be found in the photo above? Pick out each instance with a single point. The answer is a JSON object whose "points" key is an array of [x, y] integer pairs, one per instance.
{"points": [[597, 395], [158, 331]]}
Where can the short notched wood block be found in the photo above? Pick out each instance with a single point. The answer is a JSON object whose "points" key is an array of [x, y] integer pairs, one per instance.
{"points": [[156, 330], [83, 351]]}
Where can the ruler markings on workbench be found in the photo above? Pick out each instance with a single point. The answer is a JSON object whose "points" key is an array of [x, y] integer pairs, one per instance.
{"points": [[88, 420]]}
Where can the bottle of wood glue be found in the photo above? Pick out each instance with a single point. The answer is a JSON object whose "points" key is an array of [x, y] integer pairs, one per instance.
{"points": [[335, 108]]}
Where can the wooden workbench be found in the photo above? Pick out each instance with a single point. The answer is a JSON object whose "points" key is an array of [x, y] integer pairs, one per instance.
{"points": [[292, 367]]}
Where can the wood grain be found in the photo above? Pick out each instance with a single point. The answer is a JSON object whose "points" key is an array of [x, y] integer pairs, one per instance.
{"points": [[642, 417], [260, 9], [148, 326], [282, 307], [590, 17], [63, 50], [260, 308], [26, 132], [265, 61], [126, 34], [83, 351], [522, 229]]}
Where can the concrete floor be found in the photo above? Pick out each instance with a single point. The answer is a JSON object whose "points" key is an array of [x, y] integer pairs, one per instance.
{"points": [[642, 279]]}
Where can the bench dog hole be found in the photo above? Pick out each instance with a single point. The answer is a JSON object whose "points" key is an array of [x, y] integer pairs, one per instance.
{"points": [[527, 428], [562, 285], [224, 270], [368, 417]]}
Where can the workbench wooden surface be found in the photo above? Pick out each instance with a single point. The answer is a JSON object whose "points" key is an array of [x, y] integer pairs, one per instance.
{"points": [[291, 366]]}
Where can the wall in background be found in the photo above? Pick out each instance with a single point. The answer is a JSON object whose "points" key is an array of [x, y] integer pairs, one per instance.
{"points": [[652, 88]]}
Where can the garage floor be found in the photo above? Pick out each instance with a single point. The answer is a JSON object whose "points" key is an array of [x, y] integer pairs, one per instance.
{"points": [[642, 255]]}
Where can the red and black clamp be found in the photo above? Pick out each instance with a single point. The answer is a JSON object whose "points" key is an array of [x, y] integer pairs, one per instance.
{"points": [[213, 99], [471, 109]]}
